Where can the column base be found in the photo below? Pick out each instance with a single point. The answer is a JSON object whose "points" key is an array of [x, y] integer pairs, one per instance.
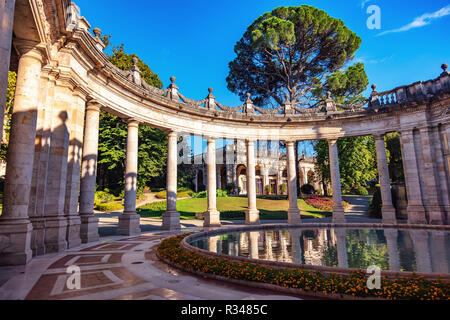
{"points": [[416, 215], [211, 218], [129, 224], [252, 217], [89, 228], [388, 214], [38, 236], [339, 215], [294, 216], [55, 234], [437, 215], [15, 243], [171, 220], [73, 231]]}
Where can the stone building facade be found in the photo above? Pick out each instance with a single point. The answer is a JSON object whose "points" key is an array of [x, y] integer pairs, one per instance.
{"points": [[270, 170]]}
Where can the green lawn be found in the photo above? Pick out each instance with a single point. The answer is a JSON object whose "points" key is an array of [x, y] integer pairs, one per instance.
{"points": [[233, 208]]}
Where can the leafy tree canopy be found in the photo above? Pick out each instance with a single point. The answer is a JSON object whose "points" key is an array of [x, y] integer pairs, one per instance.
{"points": [[289, 52]]}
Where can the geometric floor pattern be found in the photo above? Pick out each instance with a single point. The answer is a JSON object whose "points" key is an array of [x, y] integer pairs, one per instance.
{"points": [[118, 268]]}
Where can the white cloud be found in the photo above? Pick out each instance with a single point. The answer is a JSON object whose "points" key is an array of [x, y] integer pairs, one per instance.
{"points": [[421, 21], [363, 3], [374, 61]]}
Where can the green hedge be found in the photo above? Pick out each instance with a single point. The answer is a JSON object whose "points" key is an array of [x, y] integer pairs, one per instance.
{"points": [[182, 193], [111, 206]]}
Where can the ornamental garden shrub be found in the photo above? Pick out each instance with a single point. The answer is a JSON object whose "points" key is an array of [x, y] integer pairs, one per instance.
{"points": [[323, 203], [103, 197], [111, 206], [181, 193], [204, 194], [283, 188], [361, 191], [268, 189], [376, 203], [231, 187], [307, 189]]}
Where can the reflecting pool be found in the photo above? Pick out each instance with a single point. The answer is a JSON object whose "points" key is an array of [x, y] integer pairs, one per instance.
{"points": [[391, 249]]}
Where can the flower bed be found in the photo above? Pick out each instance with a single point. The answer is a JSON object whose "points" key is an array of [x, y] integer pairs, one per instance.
{"points": [[323, 203], [305, 281]]}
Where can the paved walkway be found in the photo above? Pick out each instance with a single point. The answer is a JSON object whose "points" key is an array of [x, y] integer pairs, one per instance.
{"points": [[119, 268], [127, 268]]}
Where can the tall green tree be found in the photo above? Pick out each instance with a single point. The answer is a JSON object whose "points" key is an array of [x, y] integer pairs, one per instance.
{"points": [[290, 51], [394, 154], [357, 161]]}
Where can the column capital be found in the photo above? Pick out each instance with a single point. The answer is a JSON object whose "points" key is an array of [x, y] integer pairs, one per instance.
{"points": [[379, 136], [132, 122], [290, 142], [211, 139], [250, 141], [28, 48], [332, 140], [93, 105]]}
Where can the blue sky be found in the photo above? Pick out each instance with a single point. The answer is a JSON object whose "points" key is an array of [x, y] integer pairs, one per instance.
{"points": [[194, 39]]}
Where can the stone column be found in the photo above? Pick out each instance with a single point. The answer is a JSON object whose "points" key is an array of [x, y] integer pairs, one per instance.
{"points": [[433, 193], [439, 247], [6, 31], [252, 213], [268, 245], [212, 243], [422, 250], [73, 170], [171, 218], [293, 211], [338, 209], [388, 210], [15, 226], [253, 246], [89, 223], [296, 245], [129, 221], [55, 220], [36, 207], [416, 211], [392, 245], [443, 177], [266, 181], [341, 247], [212, 216]]}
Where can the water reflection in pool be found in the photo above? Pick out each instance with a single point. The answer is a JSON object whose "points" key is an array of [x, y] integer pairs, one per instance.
{"points": [[390, 249]]}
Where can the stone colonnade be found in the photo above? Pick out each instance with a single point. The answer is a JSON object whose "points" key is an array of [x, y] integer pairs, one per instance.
{"points": [[48, 201]]}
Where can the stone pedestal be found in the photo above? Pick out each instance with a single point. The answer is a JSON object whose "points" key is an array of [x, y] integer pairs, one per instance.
{"points": [[388, 210], [211, 216], [293, 212], [171, 218], [89, 223], [129, 221], [338, 209], [252, 213], [15, 226]]}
